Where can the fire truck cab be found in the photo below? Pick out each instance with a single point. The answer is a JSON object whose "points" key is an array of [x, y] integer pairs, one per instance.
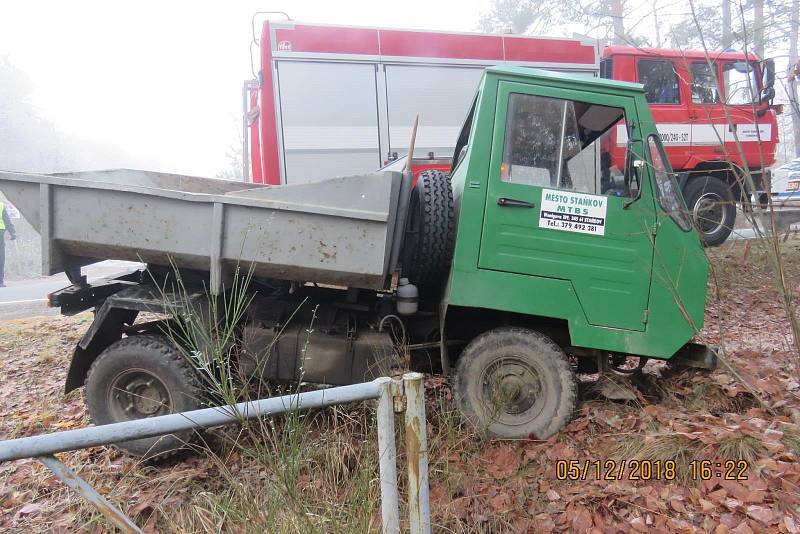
{"points": [[716, 119]]}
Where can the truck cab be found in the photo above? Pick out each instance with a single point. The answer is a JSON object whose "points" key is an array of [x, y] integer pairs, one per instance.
{"points": [[715, 116], [548, 240]]}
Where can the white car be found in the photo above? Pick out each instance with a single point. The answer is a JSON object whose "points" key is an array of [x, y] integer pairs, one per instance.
{"points": [[786, 181]]}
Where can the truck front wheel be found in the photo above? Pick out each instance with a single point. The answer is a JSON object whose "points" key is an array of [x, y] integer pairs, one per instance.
{"points": [[142, 376], [712, 207], [515, 383]]}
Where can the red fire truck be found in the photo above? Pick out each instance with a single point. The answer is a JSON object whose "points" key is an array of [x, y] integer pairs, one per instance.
{"points": [[716, 120], [340, 100]]}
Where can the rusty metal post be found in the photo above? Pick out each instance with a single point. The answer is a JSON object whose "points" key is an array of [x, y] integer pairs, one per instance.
{"points": [[387, 452], [73, 481], [419, 513]]}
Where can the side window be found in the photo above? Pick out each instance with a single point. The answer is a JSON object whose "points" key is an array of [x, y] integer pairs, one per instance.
{"points": [[660, 81], [557, 143], [705, 89], [669, 195], [741, 84]]}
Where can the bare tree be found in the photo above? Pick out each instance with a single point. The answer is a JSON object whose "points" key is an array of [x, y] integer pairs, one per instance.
{"points": [[758, 27], [727, 35], [657, 24], [791, 86], [617, 20], [521, 16]]}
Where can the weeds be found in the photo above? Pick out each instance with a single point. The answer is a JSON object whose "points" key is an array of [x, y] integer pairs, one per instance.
{"points": [[660, 447], [740, 447]]}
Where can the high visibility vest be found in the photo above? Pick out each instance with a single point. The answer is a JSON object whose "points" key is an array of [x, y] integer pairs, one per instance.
{"points": [[2, 222]]}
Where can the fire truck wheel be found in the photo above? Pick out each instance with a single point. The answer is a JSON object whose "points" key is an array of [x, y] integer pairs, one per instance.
{"points": [[712, 207], [142, 376], [430, 231], [515, 383]]}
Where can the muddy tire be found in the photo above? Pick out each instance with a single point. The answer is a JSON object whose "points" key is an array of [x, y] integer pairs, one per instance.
{"points": [[142, 376], [515, 383], [430, 231], [712, 207]]}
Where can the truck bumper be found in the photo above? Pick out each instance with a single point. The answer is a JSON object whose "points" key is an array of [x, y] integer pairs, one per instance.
{"points": [[762, 179]]}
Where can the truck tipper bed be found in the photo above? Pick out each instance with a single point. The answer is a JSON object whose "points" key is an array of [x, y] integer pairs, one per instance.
{"points": [[339, 231]]}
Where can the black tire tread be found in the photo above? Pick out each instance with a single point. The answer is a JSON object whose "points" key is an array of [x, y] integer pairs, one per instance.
{"points": [[155, 344], [499, 337], [430, 262]]}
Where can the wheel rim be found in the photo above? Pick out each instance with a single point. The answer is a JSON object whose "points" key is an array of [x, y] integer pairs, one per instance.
{"points": [[136, 394], [511, 391], [709, 213]]}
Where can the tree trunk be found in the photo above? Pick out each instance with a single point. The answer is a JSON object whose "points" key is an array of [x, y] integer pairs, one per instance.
{"points": [[758, 28], [618, 23], [727, 38], [655, 23], [791, 86]]}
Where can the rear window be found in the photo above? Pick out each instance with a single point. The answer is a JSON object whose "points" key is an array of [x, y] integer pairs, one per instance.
{"points": [[660, 81]]}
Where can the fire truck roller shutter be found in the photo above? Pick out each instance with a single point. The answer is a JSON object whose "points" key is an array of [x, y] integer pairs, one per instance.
{"points": [[440, 94], [328, 119]]}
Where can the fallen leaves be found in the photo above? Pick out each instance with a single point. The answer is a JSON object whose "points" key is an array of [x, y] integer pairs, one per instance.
{"points": [[478, 484]]}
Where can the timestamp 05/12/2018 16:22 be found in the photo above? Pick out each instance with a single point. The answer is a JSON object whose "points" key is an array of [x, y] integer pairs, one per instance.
{"points": [[651, 469]]}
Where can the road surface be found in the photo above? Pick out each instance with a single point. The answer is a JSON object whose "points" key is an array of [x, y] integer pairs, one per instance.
{"points": [[28, 298]]}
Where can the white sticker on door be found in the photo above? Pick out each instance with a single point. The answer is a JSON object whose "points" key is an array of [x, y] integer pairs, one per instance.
{"points": [[573, 212]]}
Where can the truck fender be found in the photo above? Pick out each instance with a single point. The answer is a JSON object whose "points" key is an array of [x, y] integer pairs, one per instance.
{"points": [[106, 328], [109, 323]]}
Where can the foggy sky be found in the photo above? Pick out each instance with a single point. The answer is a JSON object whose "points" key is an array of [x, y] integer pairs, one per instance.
{"points": [[159, 82]]}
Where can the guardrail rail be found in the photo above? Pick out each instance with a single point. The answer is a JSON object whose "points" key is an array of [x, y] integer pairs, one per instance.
{"points": [[393, 395]]}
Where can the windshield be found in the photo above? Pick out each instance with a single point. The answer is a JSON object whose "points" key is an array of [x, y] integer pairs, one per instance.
{"points": [[741, 82], [669, 195]]}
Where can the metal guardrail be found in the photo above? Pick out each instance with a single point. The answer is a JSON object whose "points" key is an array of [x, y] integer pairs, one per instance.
{"points": [[392, 395]]}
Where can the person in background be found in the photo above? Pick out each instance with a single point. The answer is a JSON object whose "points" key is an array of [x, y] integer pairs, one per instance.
{"points": [[5, 224]]}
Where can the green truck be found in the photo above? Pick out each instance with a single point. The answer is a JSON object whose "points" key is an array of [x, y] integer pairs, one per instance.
{"points": [[531, 261]]}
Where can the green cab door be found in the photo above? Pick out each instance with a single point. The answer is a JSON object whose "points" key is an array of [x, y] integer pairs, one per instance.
{"points": [[558, 206]]}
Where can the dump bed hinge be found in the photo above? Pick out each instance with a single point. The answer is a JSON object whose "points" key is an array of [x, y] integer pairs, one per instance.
{"points": [[645, 316]]}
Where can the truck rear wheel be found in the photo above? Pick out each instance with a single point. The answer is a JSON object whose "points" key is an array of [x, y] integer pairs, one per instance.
{"points": [[712, 207], [514, 383], [142, 376], [430, 231]]}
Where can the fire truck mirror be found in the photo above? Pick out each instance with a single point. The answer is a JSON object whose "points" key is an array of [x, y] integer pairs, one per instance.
{"points": [[768, 80]]}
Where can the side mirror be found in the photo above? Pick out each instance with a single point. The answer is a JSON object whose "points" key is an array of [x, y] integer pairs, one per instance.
{"points": [[768, 80], [634, 164]]}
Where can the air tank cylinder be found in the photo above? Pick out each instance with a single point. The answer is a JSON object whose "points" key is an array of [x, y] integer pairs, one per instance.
{"points": [[407, 297]]}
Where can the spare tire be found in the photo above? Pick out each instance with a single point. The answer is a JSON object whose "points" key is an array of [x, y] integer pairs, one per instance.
{"points": [[430, 231]]}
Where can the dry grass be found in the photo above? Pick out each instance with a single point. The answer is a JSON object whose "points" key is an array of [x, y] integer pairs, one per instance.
{"points": [[318, 472], [664, 447], [740, 447]]}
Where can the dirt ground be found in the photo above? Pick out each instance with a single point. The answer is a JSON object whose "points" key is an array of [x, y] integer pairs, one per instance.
{"points": [[748, 415]]}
